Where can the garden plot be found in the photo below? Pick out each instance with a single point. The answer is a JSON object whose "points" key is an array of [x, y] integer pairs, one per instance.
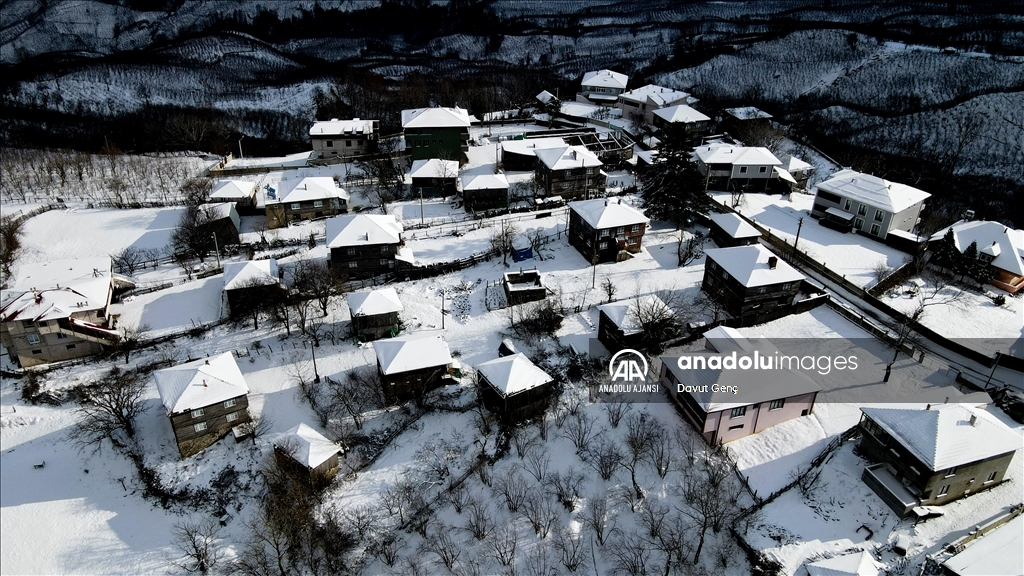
{"points": [[82, 233]]}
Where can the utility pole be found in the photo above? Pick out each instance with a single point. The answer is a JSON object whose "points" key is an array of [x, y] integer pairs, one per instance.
{"points": [[799, 225], [992, 373], [421, 207], [593, 284], [240, 147], [442, 309], [316, 375], [216, 249]]}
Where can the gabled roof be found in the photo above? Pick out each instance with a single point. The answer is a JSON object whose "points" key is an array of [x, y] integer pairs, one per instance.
{"points": [[659, 95], [529, 146], [567, 157], [734, 225], [943, 436], [624, 313], [57, 289], [995, 554], [513, 374], [434, 168], [412, 352], [484, 182], [363, 229], [218, 210], [605, 79], [604, 213], [373, 302], [246, 274], [736, 155], [309, 188], [795, 164], [749, 265], [307, 446], [747, 113], [775, 384], [200, 383], [437, 118], [856, 564], [335, 127], [872, 190], [1006, 244], [680, 113], [233, 190]]}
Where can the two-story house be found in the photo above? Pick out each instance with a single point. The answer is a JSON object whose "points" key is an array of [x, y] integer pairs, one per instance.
{"points": [[639, 104], [998, 245], [305, 199], [57, 311], [931, 456], [728, 404], [602, 228], [749, 280], [204, 400], [434, 177], [484, 192], [570, 172], [514, 388], [744, 168], [333, 138], [682, 120], [437, 133], [374, 313], [411, 365], [868, 204], [745, 121], [602, 87], [365, 245]]}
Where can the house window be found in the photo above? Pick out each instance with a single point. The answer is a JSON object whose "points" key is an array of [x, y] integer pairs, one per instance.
{"points": [[61, 335], [943, 491], [230, 403], [914, 470], [568, 173], [351, 251], [232, 417], [990, 478], [200, 427], [786, 286], [738, 412], [384, 249], [348, 143], [776, 404], [743, 169], [762, 169], [604, 233], [198, 412], [635, 228], [37, 351], [33, 338], [951, 472], [70, 347], [849, 204], [859, 224], [878, 215], [318, 203], [634, 241], [736, 427], [42, 323], [862, 210], [874, 229], [295, 205], [26, 324], [762, 290], [330, 143], [384, 261], [353, 264]]}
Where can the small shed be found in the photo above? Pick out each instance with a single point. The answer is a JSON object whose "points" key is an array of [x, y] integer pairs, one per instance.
{"points": [[375, 314], [304, 446], [514, 387], [730, 229]]}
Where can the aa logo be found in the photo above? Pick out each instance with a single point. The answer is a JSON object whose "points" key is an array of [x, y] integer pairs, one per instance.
{"points": [[628, 365]]}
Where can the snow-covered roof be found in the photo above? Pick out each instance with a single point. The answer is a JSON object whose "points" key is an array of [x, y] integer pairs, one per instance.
{"points": [[605, 79], [484, 182], [604, 213], [782, 382], [249, 273], [529, 146], [856, 564], [309, 188], [784, 174], [749, 265], [359, 229], [944, 436], [659, 95], [544, 97], [680, 113], [512, 374], [734, 225], [373, 302], [200, 383], [434, 168], [736, 155], [335, 127], [437, 118], [307, 446], [994, 554], [1005, 244], [625, 314], [747, 113], [412, 352], [567, 157], [872, 190], [57, 289], [233, 190], [218, 210], [795, 164]]}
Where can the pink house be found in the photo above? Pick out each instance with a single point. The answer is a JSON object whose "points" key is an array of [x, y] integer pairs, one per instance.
{"points": [[727, 403]]}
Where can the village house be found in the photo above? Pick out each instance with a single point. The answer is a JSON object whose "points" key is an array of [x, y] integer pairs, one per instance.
{"points": [[851, 200], [639, 104], [934, 455], [729, 229], [305, 199], [240, 192], [795, 171], [682, 120], [222, 222], [309, 451], [725, 405], [998, 245], [746, 120], [601, 229], [374, 313], [484, 192], [434, 177], [741, 168], [412, 365], [749, 280], [602, 87], [333, 138], [514, 388], [204, 400], [58, 310], [570, 172], [437, 133], [621, 324], [521, 155], [523, 286], [252, 285], [365, 245]]}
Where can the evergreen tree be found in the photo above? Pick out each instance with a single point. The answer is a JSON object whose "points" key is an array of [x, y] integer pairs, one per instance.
{"points": [[972, 267], [673, 188], [944, 253]]}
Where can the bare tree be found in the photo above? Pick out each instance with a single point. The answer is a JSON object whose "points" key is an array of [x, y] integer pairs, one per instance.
{"points": [[192, 236], [565, 487], [704, 305], [11, 232], [316, 279], [881, 270], [538, 561], [447, 549], [687, 442], [539, 512], [537, 463], [503, 239], [536, 239], [257, 427], [479, 520], [130, 339], [629, 556], [385, 548], [571, 549], [524, 442], [660, 452], [128, 260], [689, 247], [386, 174], [503, 543], [513, 488], [260, 228], [109, 408], [458, 497], [710, 497], [605, 458], [195, 541], [615, 407], [195, 191], [658, 318], [609, 289], [596, 517], [579, 429]]}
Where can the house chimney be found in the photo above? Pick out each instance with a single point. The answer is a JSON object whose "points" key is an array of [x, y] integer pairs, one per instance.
{"points": [[928, 407], [974, 420], [207, 361], [204, 382], [773, 261]]}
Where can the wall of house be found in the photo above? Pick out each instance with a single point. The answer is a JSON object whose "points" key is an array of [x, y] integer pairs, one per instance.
{"points": [[794, 407], [573, 183], [298, 211], [694, 132], [343, 144], [363, 261], [516, 407], [485, 199], [434, 187], [689, 408], [374, 326], [410, 385], [225, 229], [217, 425], [242, 301], [589, 241], [53, 345], [904, 220], [739, 300], [426, 143]]}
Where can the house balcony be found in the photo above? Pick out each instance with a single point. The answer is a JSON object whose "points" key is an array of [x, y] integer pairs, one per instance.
{"points": [[87, 331], [897, 496]]}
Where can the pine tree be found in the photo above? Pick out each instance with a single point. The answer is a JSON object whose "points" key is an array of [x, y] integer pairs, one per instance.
{"points": [[944, 253], [673, 188], [973, 267]]}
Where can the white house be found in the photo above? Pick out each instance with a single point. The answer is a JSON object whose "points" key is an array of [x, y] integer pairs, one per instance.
{"points": [[602, 87], [682, 118], [332, 138], [640, 103], [304, 199], [726, 166], [241, 192], [868, 204]]}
